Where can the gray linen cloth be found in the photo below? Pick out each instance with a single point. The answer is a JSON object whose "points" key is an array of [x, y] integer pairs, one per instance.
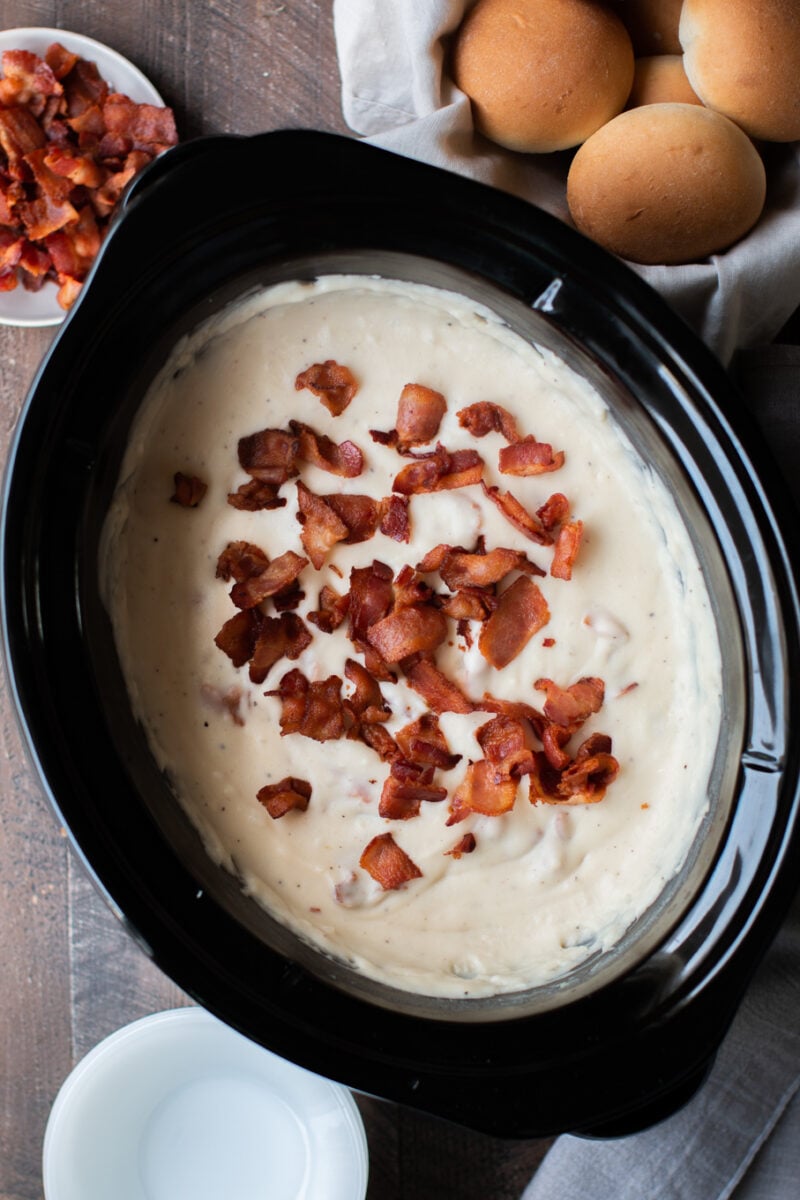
{"points": [[397, 93], [740, 1135]]}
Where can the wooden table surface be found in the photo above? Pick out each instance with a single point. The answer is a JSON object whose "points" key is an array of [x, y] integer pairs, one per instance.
{"points": [[69, 975]]}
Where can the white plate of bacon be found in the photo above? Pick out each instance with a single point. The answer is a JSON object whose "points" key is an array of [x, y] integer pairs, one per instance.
{"points": [[77, 122]]}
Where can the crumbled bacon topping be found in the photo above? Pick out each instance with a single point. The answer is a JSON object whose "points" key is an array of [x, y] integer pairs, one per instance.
{"points": [[582, 780], [521, 612], [532, 526], [189, 490], [337, 458], [388, 863], [419, 414], [276, 576], [486, 417], [335, 385], [466, 845], [68, 147], [439, 693], [394, 518], [571, 706], [406, 789], [280, 798], [286, 636], [332, 610], [423, 742], [412, 629], [566, 549], [316, 710], [439, 471], [321, 528], [529, 457]]}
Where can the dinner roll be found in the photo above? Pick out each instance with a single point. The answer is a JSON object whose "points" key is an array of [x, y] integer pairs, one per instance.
{"points": [[743, 59], [652, 24], [660, 79], [542, 75], [666, 183]]}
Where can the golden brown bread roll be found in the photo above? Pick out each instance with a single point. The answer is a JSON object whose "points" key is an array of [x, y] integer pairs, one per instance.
{"points": [[652, 24], [743, 59], [542, 75], [660, 79], [666, 183]]}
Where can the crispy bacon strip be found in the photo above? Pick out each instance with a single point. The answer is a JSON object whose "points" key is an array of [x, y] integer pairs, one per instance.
{"points": [[469, 604], [503, 743], [237, 637], [571, 706], [566, 549], [331, 612], [406, 789], [554, 511], [521, 612], [366, 700], [360, 514], [240, 561], [439, 693], [334, 384], [486, 417], [275, 577], [321, 528], [410, 630], [419, 414], [280, 798], [394, 518], [269, 455], [254, 496], [371, 598], [461, 569], [189, 490], [485, 789], [316, 710], [286, 636], [529, 457], [583, 781], [423, 742], [342, 458], [517, 515], [439, 471], [388, 863]]}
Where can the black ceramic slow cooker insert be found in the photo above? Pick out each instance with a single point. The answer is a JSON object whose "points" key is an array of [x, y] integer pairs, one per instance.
{"points": [[631, 1038]]}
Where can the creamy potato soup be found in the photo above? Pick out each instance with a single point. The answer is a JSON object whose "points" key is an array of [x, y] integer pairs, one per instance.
{"points": [[419, 640]]}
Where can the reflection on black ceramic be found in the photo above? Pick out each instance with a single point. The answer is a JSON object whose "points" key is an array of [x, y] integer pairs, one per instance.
{"points": [[628, 1039]]}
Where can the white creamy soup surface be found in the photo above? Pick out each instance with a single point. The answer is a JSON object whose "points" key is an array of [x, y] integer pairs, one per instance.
{"points": [[546, 885]]}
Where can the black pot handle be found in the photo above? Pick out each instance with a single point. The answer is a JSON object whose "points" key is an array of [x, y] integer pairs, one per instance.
{"points": [[171, 160]]}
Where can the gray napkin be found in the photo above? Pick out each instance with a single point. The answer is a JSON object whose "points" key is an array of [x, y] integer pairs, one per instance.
{"points": [[397, 93]]}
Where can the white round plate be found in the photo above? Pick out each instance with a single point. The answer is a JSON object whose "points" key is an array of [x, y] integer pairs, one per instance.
{"points": [[20, 307], [179, 1106]]}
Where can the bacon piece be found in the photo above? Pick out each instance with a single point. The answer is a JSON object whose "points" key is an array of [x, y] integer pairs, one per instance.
{"points": [[469, 604], [521, 612], [503, 743], [255, 496], [189, 490], [335, 385], [435, 557], [394, 518], [460, 569], [518, 516], [269, 455], [438, 692], [566, 549], [343, 458], [411, 589], [409, 630], [571, 706], [439, 471], [146, 127], [529, 457], [366, 700], [26, 77], [423, 742], [321, 528], [315, 710], [20, 134], [360, 514], [331, 612], [517, 709], [237, 637], [485, 789], [419, 414], [554, 511], [280, 798], [388, 863], [371, 598], [465, 846], [486, 417], [584, 781], [554, 739], [378, 739], [240, 561], [286, 636], [276, 576], [408, 786], [60, 60]]}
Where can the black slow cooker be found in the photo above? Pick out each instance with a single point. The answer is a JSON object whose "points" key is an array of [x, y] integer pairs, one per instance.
{"points": [[631, 1038]]}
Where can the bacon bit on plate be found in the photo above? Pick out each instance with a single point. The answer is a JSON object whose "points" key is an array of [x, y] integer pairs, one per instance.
{"points": [[407, 788], [423, 742], [439, 693], [485, 789], [465, 846], [517, 515], [529, 457], [571, 706], [486, 417], [419, 414], [280, 798], [394, 518], [388, 863], [321, 528], [275, 577], [337, 458], [411, 630], [334, 384], [68, 150], [441, 470], [189, 490], [315, 710], [286, 636], [566, 549], [521, 612], [331, 612]]}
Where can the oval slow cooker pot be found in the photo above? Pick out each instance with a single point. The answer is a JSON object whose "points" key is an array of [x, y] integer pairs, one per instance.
{"points": [[619, 1046]]}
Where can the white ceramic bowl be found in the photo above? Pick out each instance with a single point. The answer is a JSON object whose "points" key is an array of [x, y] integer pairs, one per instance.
{"points": [[20, 307], [178, 1106]]}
